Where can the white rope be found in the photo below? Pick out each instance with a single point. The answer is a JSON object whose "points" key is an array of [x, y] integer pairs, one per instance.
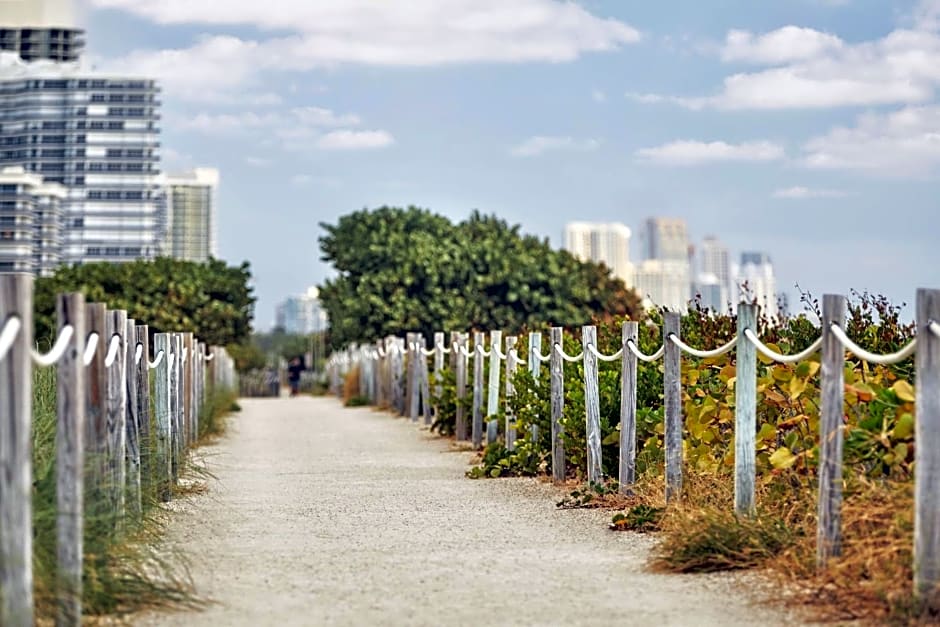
{"points": [[91, 346], [566, 356], [483, 352], [772, 354], [156, 362], [184, 356], [443, 349], [382, 352], [604, 357], [138, 352], [643, 357], [890, 358], [721, 350], [543, 358], [499, 353], [58, 349], [463, 351], [8, 335], [519, 360], [170, 360], [210, 356], [934, 327], [427, 353], [113, 349]]}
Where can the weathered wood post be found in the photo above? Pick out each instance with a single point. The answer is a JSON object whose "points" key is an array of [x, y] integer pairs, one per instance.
{"points": [[425, 383], [829, 525], [189, 358], [411, 397], [510, 392], [927, 451], [556, 367], [398, 375], [745, 412], [592, 407], [70, 460], [461, 368], [163, 407], [477, 427], [535, 368], [131, 421], [142, 366], [174, 386], [117, 415], [96, 409], [492, 391], [672, 391], [627, 467], [438, 368], [16, 477]]}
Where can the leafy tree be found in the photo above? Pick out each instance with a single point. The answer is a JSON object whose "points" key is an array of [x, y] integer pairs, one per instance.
{"points": [[211, 299], [411, 270]]}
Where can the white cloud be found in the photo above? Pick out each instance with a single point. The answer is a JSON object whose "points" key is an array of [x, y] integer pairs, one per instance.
{"points": [[800, 193], [790, 43], [690, 152], [904, 143], [598, 96], [541, 144], [812, 69], [355, 140], [364, 32]]}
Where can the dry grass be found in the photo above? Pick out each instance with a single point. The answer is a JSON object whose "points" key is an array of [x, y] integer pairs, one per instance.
{"points": [[351, 385]]}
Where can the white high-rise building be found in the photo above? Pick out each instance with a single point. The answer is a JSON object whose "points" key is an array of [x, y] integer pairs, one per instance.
{"points": [[713, 282], [664, 283], [30, 222], [755, 282], [602, 243], [302, 314], [191, 215], [40, 29], [666, 238]]}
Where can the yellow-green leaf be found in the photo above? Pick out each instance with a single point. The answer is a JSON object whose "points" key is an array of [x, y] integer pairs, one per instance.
{"points": [[904, 427], [797, 386], [782, 458], [903, 390], [767, 431]]}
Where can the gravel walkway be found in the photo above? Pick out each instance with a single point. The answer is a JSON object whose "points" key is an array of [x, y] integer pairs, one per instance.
{"points": [[329, 516]]}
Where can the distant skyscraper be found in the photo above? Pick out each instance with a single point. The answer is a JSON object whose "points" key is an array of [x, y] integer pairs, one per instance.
{"points": [[40, 29], [666, 239], [302, 314], [30, 222], [98, 136], [714, 279], [191, 214], [755, 282], [664, 283], [602, 243]]}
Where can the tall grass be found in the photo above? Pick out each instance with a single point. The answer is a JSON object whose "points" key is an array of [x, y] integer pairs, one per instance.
{"points": [[125, 568]]}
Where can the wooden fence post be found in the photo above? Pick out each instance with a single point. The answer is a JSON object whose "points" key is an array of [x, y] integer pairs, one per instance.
{"points": [[556, 366], [745, 412], [438, 368], [96, 421], [16, 480], [117, 415], [672, 383], [425, 383], [492, 391], [927, 451], [163, 407], [143, 408], [132, 420], [627, 467], [70, 460], [592, 407], [510, 392], [411, 400], [829, 525], [461, 369], [535, 368], [174, 386], [189, 358], [477, 427]]}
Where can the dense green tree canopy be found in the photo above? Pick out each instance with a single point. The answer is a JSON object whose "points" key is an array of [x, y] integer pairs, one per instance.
{"points": [[411, 270], [211, 299]]}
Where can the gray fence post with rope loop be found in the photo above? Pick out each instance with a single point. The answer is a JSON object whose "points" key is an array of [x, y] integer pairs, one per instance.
{"points": [[927, 451], [535, 368], [492, 391], [510, 391], [627, 467], [592, 407], [556, 365], [829, 525], [745, 412], [672, 396], [460, 357], [477, 426]]}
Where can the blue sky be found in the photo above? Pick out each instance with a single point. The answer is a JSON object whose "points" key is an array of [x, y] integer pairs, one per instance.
{"points": [[809, 129]]}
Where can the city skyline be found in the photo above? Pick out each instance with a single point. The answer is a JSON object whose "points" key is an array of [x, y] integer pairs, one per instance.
{"points": [[603, 112]]}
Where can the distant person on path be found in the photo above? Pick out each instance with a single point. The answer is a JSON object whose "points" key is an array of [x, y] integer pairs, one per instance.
{"points": [[294, 368]]}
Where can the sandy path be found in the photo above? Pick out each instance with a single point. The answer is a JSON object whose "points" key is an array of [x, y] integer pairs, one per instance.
{"points": [[330, 516]]}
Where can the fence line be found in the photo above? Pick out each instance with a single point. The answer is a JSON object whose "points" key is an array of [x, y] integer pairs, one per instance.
{"points": [[103, 367], [832, 343]]}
